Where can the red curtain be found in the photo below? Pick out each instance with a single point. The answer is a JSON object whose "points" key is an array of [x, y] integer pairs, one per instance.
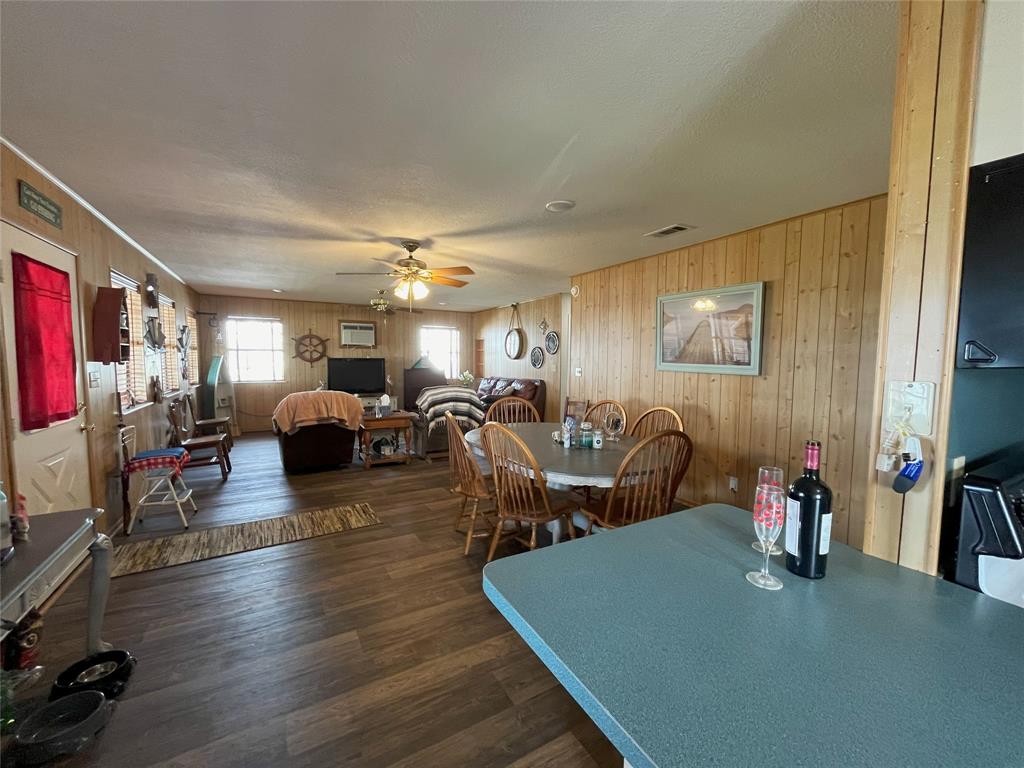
{"points": [[45, 343]]}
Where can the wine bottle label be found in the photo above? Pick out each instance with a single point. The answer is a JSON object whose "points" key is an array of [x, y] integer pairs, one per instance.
{"points": [[826, 533], [793, 526]]}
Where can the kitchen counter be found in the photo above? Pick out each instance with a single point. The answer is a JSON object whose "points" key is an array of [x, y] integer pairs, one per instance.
{"points": [[656, 633]]}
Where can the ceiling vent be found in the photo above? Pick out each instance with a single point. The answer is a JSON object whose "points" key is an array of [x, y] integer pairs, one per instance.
{"points": [[671, 229]]}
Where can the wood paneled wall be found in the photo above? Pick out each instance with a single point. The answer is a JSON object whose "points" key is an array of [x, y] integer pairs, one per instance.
{"points": [[491, 326], [920, 297], [822, 273], [397, 342], [99, 250]]}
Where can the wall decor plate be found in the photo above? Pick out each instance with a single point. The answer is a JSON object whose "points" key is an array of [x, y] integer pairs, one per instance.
{"points": [[536, 357], [552, 342]]}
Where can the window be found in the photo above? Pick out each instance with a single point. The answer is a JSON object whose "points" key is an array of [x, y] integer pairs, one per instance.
{"points": [[255, 347], [131, 375], [170, 371], [193, 346], [440, 345]]}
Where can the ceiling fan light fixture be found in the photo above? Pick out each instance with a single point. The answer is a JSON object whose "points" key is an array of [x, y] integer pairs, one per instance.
{"points": [[419, 290]]}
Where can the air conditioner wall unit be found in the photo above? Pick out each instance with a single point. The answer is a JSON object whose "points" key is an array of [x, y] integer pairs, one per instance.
{"points": [[358, 335]]}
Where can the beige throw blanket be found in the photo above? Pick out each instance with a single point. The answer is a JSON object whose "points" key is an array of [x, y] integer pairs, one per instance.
{"points": [[302, 409]]}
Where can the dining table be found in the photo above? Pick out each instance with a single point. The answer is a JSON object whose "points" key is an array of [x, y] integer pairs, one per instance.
{"points": [[566, 467], [680, 661]]}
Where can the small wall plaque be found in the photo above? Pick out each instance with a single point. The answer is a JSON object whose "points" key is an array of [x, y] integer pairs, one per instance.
{"points": [[35, 202]]}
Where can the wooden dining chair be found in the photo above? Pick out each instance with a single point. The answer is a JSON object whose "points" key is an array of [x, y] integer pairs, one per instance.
{"points": [[200, 427], [216, 443], [521, 493], [645, 484], [467, 480], [598, 412], [654, 420], [576, 409], [512, 410]]}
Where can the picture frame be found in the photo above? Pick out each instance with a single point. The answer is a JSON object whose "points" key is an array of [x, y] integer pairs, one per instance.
{"points": [[713, 330]]}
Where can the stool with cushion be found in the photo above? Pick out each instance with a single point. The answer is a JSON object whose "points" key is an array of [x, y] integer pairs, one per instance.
{"points": [[161, 471]]}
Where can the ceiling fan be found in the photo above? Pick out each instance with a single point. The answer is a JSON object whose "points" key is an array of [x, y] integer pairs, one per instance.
{"points": [[411, 275], [383, 305]]}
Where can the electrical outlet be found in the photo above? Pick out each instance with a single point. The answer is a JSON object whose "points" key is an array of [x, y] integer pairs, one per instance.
{"points": [[734, 484], [94, 379], [578, 372]]}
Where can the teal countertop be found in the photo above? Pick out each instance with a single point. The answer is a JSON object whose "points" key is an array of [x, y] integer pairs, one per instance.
{"points": [[654, 630]]}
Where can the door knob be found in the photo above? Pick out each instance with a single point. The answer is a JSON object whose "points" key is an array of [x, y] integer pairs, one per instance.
{"points": [[87, 427]]}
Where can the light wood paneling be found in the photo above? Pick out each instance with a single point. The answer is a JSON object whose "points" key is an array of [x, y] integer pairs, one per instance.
{"points": [[923, 247], [397, 342], [822, 273], [99, 249], [491, 326]]}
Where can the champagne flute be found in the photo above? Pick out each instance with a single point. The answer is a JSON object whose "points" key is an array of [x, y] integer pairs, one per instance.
{"points": [[767, 478], [614, 424], [768, 519]]}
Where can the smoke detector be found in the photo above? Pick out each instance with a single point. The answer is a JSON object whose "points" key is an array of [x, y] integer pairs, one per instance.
{"points": [[560, 206]]}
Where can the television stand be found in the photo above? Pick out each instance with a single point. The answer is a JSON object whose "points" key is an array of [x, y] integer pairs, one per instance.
{"points": [[369, 401]]}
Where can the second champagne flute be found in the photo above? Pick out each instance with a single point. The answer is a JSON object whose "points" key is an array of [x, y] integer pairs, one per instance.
{"points": [[768, 479]]}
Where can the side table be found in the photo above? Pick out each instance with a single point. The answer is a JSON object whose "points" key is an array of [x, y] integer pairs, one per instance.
{"points": [[399, 422]]}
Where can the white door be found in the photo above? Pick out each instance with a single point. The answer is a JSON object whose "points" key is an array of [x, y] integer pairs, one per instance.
{"points": [[51, 466]]}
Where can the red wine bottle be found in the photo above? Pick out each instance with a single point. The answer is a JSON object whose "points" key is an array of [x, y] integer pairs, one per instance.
{"points": [[808, 518]]}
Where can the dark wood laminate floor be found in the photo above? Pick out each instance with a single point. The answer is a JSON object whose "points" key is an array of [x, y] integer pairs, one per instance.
{"points": [[374, 647]]}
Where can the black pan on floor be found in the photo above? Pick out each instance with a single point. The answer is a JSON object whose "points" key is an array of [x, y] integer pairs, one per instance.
{"points": [[106, 672]]}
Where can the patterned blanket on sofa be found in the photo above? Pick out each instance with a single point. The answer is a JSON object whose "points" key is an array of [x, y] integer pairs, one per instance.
{"points": [[465, 405]]}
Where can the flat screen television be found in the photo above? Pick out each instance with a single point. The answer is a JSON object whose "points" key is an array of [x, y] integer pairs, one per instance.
{"points": [[356, 375]]}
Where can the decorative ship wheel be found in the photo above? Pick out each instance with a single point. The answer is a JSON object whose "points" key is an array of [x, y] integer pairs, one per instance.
{"points": [[310, 348]]}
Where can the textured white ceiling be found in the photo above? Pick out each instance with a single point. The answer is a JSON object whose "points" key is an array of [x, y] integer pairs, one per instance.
{"points": [[262, 145]]}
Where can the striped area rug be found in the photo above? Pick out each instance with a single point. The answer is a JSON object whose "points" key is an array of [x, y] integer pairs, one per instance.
{"points": [[151, 554]]}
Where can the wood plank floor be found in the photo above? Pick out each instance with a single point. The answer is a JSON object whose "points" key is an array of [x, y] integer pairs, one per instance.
{"points": [[373, 647]]}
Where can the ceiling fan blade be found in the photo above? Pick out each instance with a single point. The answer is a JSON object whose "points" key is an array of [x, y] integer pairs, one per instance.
{"points": [[406, 309], [375, 274], [447, 281], [453, 271]]}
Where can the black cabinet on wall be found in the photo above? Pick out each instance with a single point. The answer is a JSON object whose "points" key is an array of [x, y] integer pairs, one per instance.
{"points": [[991, 331]]}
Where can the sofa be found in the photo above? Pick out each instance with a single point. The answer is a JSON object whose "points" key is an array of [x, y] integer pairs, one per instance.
{"points": [[415, 381], [494, 388]]}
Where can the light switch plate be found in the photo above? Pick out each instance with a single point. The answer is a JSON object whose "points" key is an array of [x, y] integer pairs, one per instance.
{"points": [[94, 379], [578, 372], [912, 402]]}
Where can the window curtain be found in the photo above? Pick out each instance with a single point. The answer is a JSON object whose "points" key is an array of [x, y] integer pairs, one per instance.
{"points": [[45, 343]]}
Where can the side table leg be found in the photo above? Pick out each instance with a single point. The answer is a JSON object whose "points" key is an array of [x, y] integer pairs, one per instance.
{"points": [[366, 438], [99, 588]]}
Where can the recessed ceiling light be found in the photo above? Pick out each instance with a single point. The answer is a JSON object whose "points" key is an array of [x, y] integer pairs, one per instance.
{"points": [[277, 290], [443, 303], [560, 206]]}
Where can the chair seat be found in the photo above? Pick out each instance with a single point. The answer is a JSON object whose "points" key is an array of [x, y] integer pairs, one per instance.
{"points": [[178, 453], [205, 441], [214, 422], [562, 501]]}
